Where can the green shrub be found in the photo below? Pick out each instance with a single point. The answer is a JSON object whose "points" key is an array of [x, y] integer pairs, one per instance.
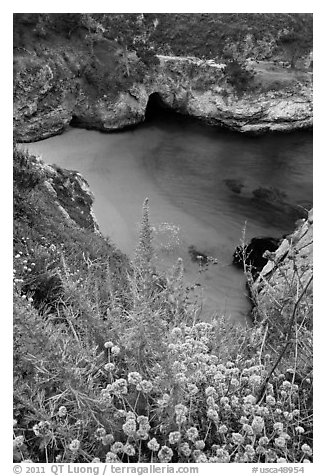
{"points": [[238, 76]]}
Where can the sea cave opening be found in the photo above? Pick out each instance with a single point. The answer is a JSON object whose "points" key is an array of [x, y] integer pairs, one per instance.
{"points": [[156, 108]]}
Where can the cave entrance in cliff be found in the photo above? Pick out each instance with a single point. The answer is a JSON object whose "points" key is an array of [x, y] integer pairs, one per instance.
{"points": [[156, 108]]}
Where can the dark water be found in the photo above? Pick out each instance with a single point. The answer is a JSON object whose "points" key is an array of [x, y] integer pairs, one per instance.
{"points": [[182, 167]]}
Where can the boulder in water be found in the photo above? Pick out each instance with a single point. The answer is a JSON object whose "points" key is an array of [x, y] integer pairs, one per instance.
{"points": [[252, 253], [197, 256]]}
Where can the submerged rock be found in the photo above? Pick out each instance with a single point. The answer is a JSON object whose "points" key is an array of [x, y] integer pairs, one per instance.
{"points": [[197, 256], [234, 185], [271, 195]]}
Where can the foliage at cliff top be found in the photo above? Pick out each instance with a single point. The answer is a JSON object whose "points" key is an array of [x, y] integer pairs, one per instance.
{"points": [[232, 35], [209, 35], [112, 362]]}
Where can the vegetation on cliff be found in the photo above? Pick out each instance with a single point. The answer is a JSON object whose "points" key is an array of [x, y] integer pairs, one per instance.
{"points": [[112, 362], [232, 35]]}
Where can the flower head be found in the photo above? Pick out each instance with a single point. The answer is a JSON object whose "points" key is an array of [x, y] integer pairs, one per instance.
{"points": [[115, 350], [19, 441], [210, 392], [237, 438], [109, 367], [258, 424], [165, 454], [153, 445], [213, 415], [99, 433], [263, 441], [200, 444], [62, 412], [185, 449], [192, 433], [174, 437], [145, 386], [117, 447], [119, 387], [278, 427], [111, 457], [280, 442], [74, 446], [223, 429], [129, 428], [299, 429], [107, 439], [129, 449], [306, 449], [134, 378]]}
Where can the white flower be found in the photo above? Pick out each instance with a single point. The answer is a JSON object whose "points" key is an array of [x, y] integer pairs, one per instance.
{"points": [[129, 449], [117, 447], [153, 445], [270, 400], [174, 437], [109, 367], [18, 441], [280, 442], [306, 450], [200, 444], [145, 386], [111, 457], [115, 350], [184, 449], [134, 378], [74, 445], [62, 412], [210, 392], [258, 424], [129, 428], [237, 438], [165, 454], [278, 427], [299, 429], [249, 399], [192, 433]]}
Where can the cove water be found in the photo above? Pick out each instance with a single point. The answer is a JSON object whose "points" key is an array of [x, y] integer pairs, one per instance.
{"points": [[184, 168]]}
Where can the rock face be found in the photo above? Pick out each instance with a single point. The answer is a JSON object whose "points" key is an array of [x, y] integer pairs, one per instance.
{"points": [[70, 193], [286, 280], [49, 95]]}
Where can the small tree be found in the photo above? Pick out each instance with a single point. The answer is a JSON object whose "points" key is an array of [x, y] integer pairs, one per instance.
{"points": [[238, 76], [298, 41], [131, 31]]}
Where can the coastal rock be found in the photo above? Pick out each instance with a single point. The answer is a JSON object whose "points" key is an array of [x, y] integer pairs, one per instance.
{"points": [[54, 95], [292, 262], [71, 194]]}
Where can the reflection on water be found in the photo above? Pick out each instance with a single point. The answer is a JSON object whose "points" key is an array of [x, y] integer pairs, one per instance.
{"points": [[183, 167]]}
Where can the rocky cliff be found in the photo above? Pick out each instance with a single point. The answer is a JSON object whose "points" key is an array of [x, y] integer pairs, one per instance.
{"points": [[283, 295], [50, 92]]}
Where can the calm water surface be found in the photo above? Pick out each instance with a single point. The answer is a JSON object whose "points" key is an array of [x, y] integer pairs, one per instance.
{"points": [[182, 167]]}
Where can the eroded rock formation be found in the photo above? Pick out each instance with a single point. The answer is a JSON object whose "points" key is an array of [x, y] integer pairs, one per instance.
{"points": [[51, 94]]}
